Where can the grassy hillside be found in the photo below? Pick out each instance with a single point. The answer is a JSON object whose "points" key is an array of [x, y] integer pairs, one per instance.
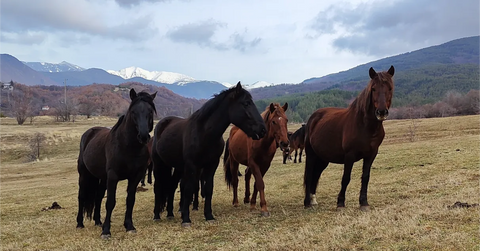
{"points": [[411, 187]]}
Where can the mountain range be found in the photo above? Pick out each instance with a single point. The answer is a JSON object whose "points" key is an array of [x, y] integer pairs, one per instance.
{"points": [[456, 59]]}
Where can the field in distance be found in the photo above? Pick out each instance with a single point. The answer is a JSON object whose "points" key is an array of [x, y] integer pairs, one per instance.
{"points": [[423, 167]]}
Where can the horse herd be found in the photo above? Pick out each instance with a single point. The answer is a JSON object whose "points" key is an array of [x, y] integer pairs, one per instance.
{"points": [[187, 151]]}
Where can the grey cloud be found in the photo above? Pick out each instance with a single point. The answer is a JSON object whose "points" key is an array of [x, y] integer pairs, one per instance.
{"points": [[202, 34], [22, 16], [131, 3], [23, 38], [387, 28]]}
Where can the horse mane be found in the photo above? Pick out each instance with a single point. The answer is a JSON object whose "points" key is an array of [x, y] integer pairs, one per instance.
{"points": [[209, 107], [266, 114], [363, 101], [143, 96], [120, 120]]}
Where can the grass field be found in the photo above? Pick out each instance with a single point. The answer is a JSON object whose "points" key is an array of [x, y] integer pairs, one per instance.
{"points": [[411, 186]]}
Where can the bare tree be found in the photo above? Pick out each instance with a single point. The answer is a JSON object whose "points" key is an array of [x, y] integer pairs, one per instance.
{"points": [[20, 104], [36, 143]]}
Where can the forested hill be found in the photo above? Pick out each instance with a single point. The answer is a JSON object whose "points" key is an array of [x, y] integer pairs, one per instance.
{"points": [[421, 77], [426, 74]]}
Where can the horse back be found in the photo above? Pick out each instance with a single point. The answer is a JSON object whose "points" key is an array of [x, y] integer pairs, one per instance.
{"points": [[243, 148], [92, 151]]}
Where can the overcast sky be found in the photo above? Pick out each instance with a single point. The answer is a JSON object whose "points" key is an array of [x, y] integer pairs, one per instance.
{"points": [[224, 40]]}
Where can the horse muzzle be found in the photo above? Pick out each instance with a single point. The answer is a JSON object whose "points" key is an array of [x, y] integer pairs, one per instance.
{"points": [[381, 114], [143, 139]]}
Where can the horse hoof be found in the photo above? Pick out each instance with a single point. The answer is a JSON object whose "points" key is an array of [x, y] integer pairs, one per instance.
{"points": [[265, 214], [80, 227], [186, 224], [365, 208], [313, 200], [195, 209], [235, 204], [170, 217], [133, 231], [106, 236], [156, 219], [340, 209]]}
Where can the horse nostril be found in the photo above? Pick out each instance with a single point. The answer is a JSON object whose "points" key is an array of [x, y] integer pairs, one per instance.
{"points": [[386, 112]]}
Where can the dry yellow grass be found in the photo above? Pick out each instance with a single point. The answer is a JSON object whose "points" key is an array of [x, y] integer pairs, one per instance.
{"points": [[411, 185]]}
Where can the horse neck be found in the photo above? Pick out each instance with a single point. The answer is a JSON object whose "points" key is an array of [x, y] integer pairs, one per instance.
{"points": [[127, 133], [366, 118], [269, 138], [216, 123]]}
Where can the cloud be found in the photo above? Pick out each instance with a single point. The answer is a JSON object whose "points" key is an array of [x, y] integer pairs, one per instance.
{"points": [[24, 17], [28, 38], [386, 28], [131, 3], [203, 34]]}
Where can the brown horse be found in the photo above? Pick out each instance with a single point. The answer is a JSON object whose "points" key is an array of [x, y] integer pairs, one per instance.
{"points": [[256, 155], [297, 143], [346, 135], [110, 155]]}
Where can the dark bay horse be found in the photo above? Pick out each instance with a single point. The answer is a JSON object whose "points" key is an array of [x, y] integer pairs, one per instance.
{"points": [[193, 146], [110, 155], [297, 143], [346, 135], [256, 155]]}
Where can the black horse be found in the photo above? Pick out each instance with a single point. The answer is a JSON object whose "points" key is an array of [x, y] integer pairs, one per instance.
{"points": [[110, 155], [193, 147]]}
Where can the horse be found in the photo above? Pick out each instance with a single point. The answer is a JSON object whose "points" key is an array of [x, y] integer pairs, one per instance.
{"points": [[346, 135], [193, 146], [256, 155], [110, 155], [297, 142], [150, 165]]}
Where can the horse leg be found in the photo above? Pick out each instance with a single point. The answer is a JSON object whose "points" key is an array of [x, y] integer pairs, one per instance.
{"points": [[295, 160], [98, 202], [300, 156], [260, 187], [367, 164], [187, 190], [347, 172], [172, 187], [131, 193], [195, 195], [234, 169], [112, 182], [248, 175], [209, 175], [314, 167], [150, 169], [285, 156]]}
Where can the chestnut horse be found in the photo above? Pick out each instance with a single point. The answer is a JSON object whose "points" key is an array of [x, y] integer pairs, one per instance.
{"points": [[297, 143], [110, 155], [193, 146], [256, 155], [346, 135]]}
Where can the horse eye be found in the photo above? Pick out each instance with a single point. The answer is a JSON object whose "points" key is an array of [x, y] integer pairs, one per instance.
{"points": [[273, 122], [373, 89]]}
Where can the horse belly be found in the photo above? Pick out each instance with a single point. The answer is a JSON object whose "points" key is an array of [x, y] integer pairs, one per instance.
{"points": [[93, 157]]}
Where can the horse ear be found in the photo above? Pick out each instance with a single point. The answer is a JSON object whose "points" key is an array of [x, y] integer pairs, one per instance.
{"points": [[285, 107], [372, 73], [153, 95], [272, 107], [391, 71], [133, 94]]}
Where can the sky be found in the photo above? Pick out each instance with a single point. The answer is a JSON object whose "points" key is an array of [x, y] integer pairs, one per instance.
{"points": [[277, 41]]}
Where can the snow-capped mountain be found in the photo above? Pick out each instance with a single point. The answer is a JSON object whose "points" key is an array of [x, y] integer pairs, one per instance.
{"points": [[226, 84], [158, 76], [259, 84], [49, 67]]}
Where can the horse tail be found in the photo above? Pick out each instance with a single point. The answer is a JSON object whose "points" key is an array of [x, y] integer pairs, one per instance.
{"points": [[88, 184], [226, 165]]}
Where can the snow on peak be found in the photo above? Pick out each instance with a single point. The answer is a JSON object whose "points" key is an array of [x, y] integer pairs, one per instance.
{"points": [[158, 76], [226, 84], [259, 84]]}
